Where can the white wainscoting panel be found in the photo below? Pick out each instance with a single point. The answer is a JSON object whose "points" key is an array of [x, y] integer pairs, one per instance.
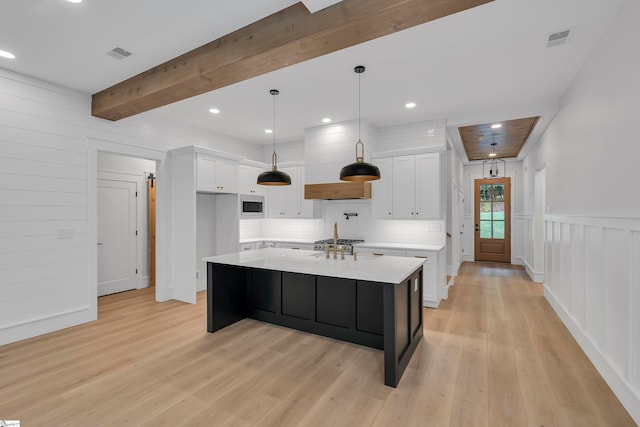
{"points": [[592, 281]]}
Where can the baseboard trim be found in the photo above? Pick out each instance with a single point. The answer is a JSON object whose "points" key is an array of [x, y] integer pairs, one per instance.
{"points": [[533, 275], [430, 304], [629, 399]]}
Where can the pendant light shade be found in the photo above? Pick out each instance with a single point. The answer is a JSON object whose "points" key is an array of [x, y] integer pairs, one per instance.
{"points": [[359, 170], [274, 176]]}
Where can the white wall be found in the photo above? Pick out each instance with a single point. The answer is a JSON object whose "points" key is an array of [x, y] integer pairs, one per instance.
{"points": [[328, 148], [455, 214], [589, 153], [287, 152], [47, 184], [520, 221]]}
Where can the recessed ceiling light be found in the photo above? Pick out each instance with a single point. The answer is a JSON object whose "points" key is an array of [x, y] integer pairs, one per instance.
{"points": [[496, 126], [326, 120], [74, 1], [410, 105], [8, 55], [268, 131], [214, 111]]}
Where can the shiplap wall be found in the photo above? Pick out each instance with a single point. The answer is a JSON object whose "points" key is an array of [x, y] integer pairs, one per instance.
{"points": [[592, 277], [45, 198], [330, 147]]}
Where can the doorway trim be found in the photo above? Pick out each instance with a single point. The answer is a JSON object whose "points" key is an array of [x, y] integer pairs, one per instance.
{"points": [[163, 293], [506, 241]]}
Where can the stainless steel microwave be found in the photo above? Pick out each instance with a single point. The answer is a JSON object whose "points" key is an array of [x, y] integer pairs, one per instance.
{"points": [[251, 206]]}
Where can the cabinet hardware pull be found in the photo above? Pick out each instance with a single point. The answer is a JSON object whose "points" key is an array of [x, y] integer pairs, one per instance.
{"points": [[420, 256], [375, 254]]}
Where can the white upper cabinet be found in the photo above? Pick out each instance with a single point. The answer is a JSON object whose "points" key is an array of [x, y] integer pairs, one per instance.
{"points": [[288, 201], [413, 190], [215, 175], [382, 189], [404, 187], [428, 186], [247, 180]]}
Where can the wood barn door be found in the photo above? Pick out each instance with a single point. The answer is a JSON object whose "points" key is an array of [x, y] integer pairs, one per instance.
{"points": [[493, 220]]}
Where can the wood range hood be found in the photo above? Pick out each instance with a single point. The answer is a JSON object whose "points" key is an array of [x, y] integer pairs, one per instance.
{"points": [[338, 190]]}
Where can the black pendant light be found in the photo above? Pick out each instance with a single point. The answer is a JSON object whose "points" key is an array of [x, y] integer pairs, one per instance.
{"points": [[274, 176], [360, 170]]}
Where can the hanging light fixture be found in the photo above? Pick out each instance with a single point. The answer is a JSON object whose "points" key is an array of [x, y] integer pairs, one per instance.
{"points": [[494, 163], [274, 176], [360, 170]]}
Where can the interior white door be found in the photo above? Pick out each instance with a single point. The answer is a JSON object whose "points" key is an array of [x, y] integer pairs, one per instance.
{"points": [[116, 236]]}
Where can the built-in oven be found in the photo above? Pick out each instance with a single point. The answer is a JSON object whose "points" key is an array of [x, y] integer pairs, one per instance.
{"points": [[251, 206]]}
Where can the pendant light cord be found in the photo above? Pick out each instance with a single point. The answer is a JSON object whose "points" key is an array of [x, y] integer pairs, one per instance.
{"points": [[359, 115], [274, 157]]}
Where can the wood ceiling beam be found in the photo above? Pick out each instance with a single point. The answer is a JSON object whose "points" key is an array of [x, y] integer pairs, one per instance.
{"points": [[288, 37]]}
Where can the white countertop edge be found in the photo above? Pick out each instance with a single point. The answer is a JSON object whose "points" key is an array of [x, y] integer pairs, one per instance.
{"points": [[389, 269], [407, 246]]}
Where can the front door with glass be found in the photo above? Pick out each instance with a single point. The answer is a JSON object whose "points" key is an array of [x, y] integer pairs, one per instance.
{"points": [[492, 220]]}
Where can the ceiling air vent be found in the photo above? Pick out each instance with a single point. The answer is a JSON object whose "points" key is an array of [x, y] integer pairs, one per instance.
{"points": [[119, 53], [556, 39]]}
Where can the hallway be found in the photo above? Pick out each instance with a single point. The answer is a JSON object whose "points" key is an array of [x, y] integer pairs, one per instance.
{"points": [[517, 364], [494, 354]]}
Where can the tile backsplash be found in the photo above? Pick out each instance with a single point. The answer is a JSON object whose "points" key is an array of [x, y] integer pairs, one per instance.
{"points": [[362, 226]]}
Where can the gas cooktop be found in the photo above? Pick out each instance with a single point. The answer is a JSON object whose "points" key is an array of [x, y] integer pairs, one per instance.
{"points": [[320, 245]]}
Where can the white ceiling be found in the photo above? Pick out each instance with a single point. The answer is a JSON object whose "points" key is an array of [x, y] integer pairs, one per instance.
{"points": [[486, 64]]}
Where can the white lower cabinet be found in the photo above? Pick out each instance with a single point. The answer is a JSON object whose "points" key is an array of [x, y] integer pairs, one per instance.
{"points": [[379, 251], [434, 287], [290, 245], [249, 246], [430, 297]]}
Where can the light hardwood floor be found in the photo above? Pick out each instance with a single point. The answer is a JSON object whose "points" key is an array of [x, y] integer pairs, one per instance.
{"points": [[494, 354]]}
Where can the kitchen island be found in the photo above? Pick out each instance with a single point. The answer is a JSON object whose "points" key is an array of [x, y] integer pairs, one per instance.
{"points": [[374, 301]]}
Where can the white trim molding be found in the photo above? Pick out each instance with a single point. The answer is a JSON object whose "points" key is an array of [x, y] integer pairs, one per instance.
{"points": [[592, 281]]}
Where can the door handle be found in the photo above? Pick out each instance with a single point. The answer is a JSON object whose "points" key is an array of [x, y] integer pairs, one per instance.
{"points": [[99, 244]]}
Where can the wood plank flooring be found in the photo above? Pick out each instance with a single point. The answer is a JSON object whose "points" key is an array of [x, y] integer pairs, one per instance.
{"points": [[494, 354]]}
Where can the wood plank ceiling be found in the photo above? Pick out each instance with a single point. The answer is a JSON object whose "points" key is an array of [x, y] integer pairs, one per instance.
{"points": [[288, 37], [509, 138]]}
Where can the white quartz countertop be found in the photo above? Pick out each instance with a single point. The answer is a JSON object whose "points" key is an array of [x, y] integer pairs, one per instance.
{"points": [[387, 269], [408, 246]]}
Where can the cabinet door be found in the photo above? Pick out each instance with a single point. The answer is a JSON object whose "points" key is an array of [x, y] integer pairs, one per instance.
{"points": [[205, 174], [244, 179], [429, 276], [305, 207], [225, 177], [291, 197], [404, 187], [428, 186], [276, 203], [382, 189]]}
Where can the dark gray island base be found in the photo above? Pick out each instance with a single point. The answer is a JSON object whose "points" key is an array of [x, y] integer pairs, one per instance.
{"points": [[386, 316]]}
